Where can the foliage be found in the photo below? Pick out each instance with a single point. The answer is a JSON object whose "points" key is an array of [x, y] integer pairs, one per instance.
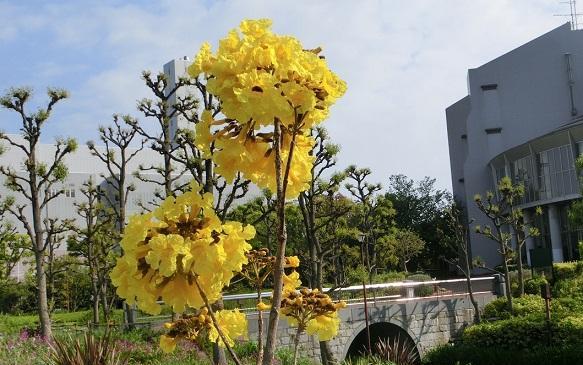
{"points": [[420, 207], [14, 247], [400, 247], [464, 354], [17, 297], [90, 351], [567, 270], [533, 285], [523, 306], [525, 333], [398, 351]]}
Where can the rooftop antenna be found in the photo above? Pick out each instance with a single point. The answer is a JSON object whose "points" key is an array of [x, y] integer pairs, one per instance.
{"points": [[573, 14]]}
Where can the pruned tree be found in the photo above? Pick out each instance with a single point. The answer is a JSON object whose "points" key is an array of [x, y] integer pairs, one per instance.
{"points": [[14, 247], [506, 219], [120, 145], [95, 241], [365, 195], [316, 218], [457, 240], [36, 184]]}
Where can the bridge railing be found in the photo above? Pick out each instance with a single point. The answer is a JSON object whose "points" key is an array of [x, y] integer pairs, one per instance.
{"points": [[396, 291]]}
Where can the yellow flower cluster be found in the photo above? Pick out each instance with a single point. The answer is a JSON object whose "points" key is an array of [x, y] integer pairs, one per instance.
{"points": [[313, 311], [261, 77], [233, 324], [180, 244]]}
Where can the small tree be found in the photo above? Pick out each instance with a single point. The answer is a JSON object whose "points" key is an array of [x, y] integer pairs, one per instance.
{"points": [[14, 247], [36, 185], [458, 242], [119, 149], [506, 217], [365, 195], [405, 245], [95, 241]]}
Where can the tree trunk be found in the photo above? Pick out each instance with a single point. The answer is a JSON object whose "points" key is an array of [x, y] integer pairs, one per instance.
{"points": [[95, 290], [280, 255], [259, 329], [507, 279], [43, 305], [326, 354], [519, 264]]}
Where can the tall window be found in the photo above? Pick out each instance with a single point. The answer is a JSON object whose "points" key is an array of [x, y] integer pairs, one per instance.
{"points": [[557, 172], [523, 173]]}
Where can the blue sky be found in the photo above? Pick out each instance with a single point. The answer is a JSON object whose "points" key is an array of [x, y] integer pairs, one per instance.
{"points": [[404, 61]]}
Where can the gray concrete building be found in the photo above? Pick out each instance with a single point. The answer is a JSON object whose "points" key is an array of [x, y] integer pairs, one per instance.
{"points": [[523, 118]]}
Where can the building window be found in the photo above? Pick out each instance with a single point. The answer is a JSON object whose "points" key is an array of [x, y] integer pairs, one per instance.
{"points": [[523, 173], [557, 172]]}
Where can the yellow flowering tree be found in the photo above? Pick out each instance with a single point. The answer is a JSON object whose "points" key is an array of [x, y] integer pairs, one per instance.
{"points": [[183, 254], [272, 92]]}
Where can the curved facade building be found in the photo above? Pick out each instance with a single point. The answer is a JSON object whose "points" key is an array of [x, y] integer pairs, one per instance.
{"points": [[523, 118]]}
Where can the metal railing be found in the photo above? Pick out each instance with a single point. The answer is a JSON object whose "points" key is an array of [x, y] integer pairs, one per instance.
{"points": [[396, 291]]}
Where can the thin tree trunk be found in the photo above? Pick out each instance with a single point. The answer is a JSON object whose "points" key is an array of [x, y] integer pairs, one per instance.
{"points": [[280, 255], [43, 305], [519, 265], [259, 329], [507, 279], [95, 290], [296, 345]]}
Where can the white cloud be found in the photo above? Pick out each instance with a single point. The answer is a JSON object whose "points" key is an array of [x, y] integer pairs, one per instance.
{"points": [[404, 62]]}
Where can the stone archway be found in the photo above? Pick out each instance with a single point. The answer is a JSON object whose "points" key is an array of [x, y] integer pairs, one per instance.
{"points": [[380, 331]]}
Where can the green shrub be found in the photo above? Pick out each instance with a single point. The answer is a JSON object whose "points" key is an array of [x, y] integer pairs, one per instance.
{"points": [[533, 285], [422, 290], [523, 306], [464, 354], [569, 288], [524, 333], [566, 270], [390, 277]]}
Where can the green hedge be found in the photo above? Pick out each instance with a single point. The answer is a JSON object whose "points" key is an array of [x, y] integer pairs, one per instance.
{"points": [[475, 355], [567, 270], [524, 306], [524, 333]]}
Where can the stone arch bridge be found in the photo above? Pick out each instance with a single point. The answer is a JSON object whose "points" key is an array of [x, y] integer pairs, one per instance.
{"points": [[424, 314]]}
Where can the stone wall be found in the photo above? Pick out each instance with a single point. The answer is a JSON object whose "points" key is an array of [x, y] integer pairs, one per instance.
{"points": [[428, 322]]}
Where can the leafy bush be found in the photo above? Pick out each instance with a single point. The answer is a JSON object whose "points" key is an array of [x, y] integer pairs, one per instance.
{"points": [[523, 306], [390, 277], [569, 288], [524, 333], [464, 354], [533, 285], [17, 297], [422, 290], [246, 349], [567, 270]]}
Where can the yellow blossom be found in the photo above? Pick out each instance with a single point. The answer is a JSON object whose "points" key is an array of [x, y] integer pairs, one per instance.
{"points": [[167, 344], [232, 323], [324, 326], [291, 281], [180, 243], [260, 78]]}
